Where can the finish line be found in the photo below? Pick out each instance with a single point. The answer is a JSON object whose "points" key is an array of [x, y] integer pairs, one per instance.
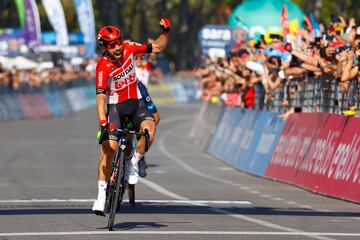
{"points": [[179, 233]]}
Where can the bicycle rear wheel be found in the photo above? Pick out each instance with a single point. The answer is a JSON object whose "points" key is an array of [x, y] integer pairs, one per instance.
{"points": [[118, 193]]}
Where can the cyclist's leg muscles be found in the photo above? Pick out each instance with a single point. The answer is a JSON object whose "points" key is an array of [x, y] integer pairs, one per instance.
{"points": [[108, 149], [109, 146], [151, 127]]}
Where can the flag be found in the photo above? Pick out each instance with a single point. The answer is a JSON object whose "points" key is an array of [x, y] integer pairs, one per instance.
{"points": [[31, 24], [285, 21], [55, 14], [315, 25], [308, 22], [85, 16], [20, 7]]}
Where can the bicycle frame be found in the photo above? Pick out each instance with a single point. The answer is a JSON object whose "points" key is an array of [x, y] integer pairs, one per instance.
{"points": [[117, 183]]}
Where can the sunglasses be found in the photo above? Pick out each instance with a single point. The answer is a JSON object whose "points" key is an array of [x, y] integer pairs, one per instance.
{"points": [[113, 44]]}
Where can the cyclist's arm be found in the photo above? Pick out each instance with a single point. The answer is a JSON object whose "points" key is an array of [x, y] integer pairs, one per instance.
{"points": [[102, 75], [160, 43], [101, 106]]}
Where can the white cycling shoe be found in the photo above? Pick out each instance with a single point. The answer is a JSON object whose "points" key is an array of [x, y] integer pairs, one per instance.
{"points": [[133, 174], [99, 207]]}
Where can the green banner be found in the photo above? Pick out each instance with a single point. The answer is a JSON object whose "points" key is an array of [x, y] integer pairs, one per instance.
{"points": [[21, 11]]}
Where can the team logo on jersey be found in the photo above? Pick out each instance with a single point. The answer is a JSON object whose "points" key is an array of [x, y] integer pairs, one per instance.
{"points": [[100, 78], [134, 43], [125, 82], [124, 73]]}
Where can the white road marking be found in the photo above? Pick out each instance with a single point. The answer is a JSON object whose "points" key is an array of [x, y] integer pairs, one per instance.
{"points": [[306, 206], [138, 201], [265, 195], [277, 199], [255, 233], [190, 169], [225, 169], [291, 202], [254, 192], [162, 190]]}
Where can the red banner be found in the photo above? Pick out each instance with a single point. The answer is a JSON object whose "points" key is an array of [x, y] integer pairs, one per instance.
{"points": [[320, 152], [342, 177], [293, 145]]}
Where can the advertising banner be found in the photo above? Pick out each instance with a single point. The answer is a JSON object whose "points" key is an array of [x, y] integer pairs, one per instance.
{"points": [[90, 95], [39, 105], [26, 106], [268, 131], [20, 7], [316, 162], [85, 15], [338, 164], [32, 24], [224, 133], [4, 114], [296, 139], [55, 14], [214, 39], [205, 124], [13, 107], [76, 98], [56, 103]]}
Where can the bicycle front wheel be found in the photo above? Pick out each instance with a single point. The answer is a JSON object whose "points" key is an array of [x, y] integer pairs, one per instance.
{"points": [[118, 193], [131, 193]]}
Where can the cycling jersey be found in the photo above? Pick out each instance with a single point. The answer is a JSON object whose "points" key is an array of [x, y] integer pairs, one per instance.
{"points": [[143, 73], [118, 79], [146, 99]]}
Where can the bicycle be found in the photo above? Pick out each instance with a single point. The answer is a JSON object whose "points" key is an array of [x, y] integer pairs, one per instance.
{"points": [[117, 184]]}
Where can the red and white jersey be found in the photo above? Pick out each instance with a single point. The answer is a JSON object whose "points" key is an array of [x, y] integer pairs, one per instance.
{"points": [[119, 78], [143, 73]]}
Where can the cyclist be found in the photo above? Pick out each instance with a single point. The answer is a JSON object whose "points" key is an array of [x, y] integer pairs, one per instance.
{"points": [[117, 95]]}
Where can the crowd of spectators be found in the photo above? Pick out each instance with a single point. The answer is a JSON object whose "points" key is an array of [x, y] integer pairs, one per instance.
{"points": [[253, 72], [62, 73], [47, 78]]}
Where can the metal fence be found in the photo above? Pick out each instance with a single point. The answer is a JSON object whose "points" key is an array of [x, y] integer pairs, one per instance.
{"points": [[310, 94]]}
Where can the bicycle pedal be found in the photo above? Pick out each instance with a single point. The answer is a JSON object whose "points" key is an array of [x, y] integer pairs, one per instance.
{"points": [[99, 213]]}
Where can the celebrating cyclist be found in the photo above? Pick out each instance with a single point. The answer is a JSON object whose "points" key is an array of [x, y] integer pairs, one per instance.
{"points": [[117, 96]]}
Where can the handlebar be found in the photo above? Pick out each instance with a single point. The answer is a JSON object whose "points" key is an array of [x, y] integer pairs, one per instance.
{"points": [[126, 131]]}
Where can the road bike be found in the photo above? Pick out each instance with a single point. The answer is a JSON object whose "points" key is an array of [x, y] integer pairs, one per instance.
{"points": [[118, 183]]}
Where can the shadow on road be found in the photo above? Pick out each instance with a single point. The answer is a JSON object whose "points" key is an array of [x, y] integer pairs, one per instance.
{"points": [[156, 208], [138, 225]]}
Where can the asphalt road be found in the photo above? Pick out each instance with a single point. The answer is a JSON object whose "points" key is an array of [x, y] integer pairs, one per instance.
{"points": [[48, 181]]}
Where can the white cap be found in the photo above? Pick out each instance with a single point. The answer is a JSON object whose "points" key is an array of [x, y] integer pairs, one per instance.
{"points": [[358, 31]]}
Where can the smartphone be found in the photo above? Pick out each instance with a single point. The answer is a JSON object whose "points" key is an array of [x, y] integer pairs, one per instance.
{"points": [[328, 38]]}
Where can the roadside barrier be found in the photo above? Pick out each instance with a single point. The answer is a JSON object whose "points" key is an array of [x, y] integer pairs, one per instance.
{"points": [[245, 139], [317, 151], [59, 102], [205, 124]]}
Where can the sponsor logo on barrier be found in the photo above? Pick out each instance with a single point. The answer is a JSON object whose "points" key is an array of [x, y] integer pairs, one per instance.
{"points": [[265, 143], [321, 153], [327, 159], [344, 160], [247, 138]]}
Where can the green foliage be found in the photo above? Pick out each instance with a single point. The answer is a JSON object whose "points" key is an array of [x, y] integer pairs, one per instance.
{"points": [[139, 19]]}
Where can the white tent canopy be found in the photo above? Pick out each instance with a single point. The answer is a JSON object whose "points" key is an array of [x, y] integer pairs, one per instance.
{"points": [[19, 62]]}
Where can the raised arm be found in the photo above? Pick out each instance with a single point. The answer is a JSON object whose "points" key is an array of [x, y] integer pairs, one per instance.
{"points": [[160, 43]]}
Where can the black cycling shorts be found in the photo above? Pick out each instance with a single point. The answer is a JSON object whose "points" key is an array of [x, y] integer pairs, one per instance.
{"points": [[132, 109]]}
